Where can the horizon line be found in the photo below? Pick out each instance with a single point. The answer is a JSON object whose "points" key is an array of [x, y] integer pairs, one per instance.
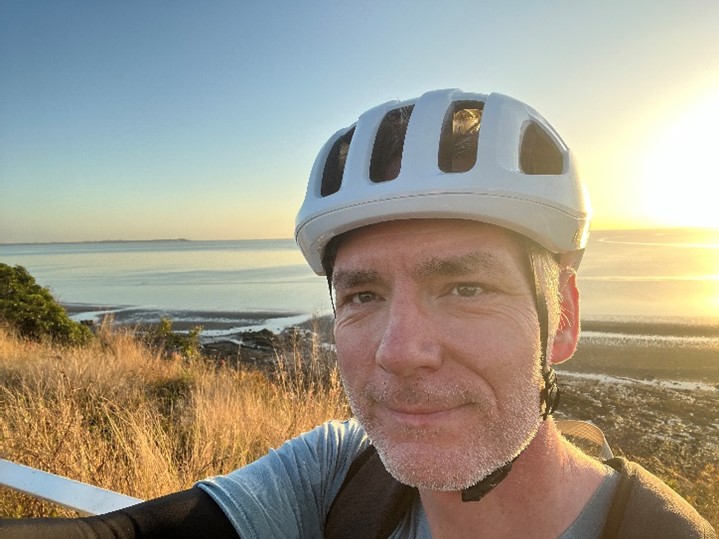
{"points": [[156, 240], [187, 240]]}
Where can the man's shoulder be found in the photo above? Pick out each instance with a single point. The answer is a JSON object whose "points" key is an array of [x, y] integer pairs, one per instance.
{"points": [[348, 434], [644, 506]]}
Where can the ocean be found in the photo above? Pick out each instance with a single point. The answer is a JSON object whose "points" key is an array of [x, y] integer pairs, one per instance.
{"points": [[646, 275], [652, 274]]}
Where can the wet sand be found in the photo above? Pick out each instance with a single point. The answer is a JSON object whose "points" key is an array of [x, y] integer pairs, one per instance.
{"points": [[183, 320], [646, 350], [629, 326]]}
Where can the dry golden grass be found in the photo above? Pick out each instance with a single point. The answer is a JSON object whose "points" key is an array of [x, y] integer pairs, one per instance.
{"points": [[118, 415]]}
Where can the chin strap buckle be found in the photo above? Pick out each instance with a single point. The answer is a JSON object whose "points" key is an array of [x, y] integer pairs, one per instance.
{"points": [[478, 491], [550, 392]]}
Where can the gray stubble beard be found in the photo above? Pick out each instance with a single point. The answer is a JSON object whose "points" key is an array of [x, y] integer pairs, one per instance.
{"points": [[495, 443]]}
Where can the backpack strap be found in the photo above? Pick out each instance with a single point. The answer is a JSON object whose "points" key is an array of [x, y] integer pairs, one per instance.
{"points": [[644, 506], [370, 502], [621, 496]]}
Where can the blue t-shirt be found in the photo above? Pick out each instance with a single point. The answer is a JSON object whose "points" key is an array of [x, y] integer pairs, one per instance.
{"points": [[288, 492]]}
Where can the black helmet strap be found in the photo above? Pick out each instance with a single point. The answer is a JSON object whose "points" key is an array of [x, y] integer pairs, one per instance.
{"points": [[549, 396]]}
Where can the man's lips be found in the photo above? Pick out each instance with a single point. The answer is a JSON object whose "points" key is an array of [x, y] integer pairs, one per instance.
{"points": [[420, 415]]}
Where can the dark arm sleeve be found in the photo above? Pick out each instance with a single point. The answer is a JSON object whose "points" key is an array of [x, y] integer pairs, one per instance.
{"points": [[187, 514]]}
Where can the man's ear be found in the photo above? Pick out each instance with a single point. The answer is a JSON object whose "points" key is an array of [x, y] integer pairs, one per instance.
{"points": [[567, 336]]}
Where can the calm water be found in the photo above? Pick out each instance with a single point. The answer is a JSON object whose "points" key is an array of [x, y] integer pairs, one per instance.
{"points": [[663, 274], [668, 274], [249, 275]]}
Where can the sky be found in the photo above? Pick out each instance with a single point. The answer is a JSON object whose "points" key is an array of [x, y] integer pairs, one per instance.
{"points": [[201, 120]]}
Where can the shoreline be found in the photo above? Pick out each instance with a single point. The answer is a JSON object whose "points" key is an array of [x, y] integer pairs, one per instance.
{"points": [[212, 322], [628, 348], [681, 327]]}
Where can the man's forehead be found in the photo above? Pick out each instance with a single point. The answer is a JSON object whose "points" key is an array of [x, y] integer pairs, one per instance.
{"points": [[431, 244], [436, 229]]}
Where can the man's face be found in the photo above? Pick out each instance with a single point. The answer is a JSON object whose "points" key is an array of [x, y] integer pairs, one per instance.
{"points": [[438, 346]]}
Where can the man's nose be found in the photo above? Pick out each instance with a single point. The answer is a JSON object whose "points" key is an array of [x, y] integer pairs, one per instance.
{"points": [[409, 342]]}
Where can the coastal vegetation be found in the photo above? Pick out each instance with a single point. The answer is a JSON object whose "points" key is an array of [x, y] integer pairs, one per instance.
{"points": [[32, 310]]}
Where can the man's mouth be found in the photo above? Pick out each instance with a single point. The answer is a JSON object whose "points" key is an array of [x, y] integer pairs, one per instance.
{"points": [[420, 415]]}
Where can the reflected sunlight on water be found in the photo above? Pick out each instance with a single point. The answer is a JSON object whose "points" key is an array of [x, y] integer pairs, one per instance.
{"points": [[651, 273]]}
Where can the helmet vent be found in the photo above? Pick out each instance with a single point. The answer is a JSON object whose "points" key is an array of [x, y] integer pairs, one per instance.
{"points": [[335, 164], [388, 145], [460, 136], [539, 153]]}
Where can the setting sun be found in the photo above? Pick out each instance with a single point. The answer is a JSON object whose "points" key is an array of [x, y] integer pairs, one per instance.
{"points": [[679, 171]]}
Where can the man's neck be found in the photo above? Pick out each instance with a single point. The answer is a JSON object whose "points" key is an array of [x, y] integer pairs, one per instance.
{"points": [[547, 488]]}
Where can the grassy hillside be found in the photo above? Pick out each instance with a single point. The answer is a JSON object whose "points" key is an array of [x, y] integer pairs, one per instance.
{"points": [[119, 415]]}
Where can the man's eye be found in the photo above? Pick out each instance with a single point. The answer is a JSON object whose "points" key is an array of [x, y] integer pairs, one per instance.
{"points": [[467, 290], [363, 297]]}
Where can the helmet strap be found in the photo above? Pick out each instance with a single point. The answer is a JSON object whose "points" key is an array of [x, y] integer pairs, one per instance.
{"points": [[332, 297], [477, 491], [549, 395]]}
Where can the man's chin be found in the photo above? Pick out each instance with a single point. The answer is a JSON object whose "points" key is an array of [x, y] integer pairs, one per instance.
{"points": [[441, 461], [422, 465]]}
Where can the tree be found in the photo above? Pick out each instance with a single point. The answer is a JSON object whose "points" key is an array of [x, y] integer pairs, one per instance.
{"points": [[33, 311]]}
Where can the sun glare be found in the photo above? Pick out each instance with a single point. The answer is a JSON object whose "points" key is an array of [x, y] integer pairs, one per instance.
{"points": [[680, 170]]}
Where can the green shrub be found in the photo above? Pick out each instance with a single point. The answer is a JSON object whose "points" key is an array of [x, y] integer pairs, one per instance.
{"points": [[33, 312], [170, 343]]}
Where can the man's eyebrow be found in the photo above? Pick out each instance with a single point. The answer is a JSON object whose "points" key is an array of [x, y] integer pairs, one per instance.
{"points": [[458, 265], [461, 265], [343, 279]]}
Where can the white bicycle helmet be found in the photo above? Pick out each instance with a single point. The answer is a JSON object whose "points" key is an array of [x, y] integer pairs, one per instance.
{"points": [[508, 168]]}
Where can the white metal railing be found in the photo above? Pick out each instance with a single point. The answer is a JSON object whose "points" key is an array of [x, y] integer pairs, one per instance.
{"points": [[84, 498]]}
